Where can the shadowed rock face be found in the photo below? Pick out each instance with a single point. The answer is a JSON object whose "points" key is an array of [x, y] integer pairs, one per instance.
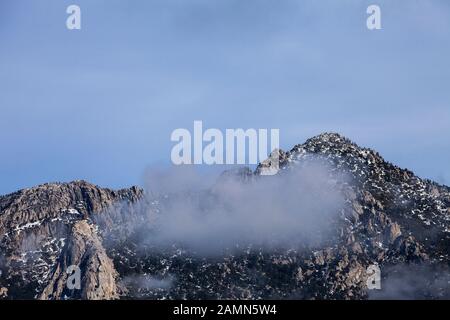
{"points": [[391, 218], [84, 249]]}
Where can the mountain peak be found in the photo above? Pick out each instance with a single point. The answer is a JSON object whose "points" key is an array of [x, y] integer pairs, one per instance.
{"points": [[330, 141], [330, 137]]}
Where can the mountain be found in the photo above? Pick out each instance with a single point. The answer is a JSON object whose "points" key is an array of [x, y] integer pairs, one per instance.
{"points": [[48, 228], [389, 218]]}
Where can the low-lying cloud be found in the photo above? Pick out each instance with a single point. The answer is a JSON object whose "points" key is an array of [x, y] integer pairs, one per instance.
{"points": [[291, 208]]}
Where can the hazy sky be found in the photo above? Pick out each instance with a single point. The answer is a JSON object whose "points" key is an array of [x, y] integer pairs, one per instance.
{"points": [[100, 103]]}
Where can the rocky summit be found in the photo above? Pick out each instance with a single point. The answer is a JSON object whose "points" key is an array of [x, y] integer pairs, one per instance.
{"points": [[390, 218]]}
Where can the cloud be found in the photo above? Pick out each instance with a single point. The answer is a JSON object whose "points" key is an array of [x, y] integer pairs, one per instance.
{"points": [[410, 282], [289, 209]]}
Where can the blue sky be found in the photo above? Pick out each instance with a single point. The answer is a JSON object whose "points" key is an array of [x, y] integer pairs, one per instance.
{"points": [[100, 103]]}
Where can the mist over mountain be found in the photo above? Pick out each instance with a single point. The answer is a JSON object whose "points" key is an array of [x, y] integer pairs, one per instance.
{"points": [[309, 232]]}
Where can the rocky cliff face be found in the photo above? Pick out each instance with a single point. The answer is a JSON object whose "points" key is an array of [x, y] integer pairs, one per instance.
{"points": [[391, 218], [46, 229]]}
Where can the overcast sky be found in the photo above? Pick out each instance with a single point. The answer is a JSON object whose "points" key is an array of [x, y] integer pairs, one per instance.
{"points": [[100, 103]]}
